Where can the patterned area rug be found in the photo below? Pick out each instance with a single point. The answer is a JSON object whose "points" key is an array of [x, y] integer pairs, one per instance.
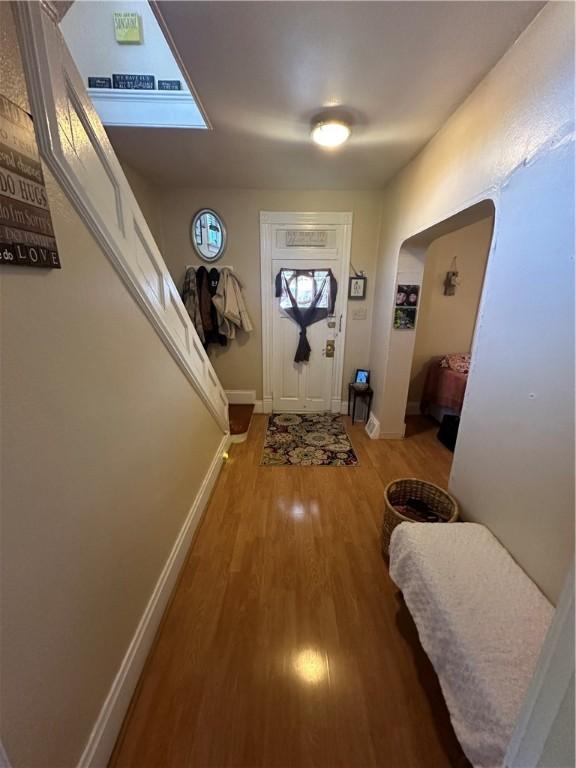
{"points": [[312, 439]]}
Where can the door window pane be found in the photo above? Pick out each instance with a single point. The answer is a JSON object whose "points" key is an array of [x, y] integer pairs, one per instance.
{"points": [[304, 287]]}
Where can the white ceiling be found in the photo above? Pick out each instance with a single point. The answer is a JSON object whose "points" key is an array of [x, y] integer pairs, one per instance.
{"points": [[263, 69]]}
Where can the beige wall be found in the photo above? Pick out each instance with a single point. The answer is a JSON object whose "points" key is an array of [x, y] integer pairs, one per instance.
{"points": [[512, 141], [104, 447], [239, 365], [446, 323], [147, 196]]}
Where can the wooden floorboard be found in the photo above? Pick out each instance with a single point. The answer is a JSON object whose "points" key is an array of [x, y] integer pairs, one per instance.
{"points": [[286, 643]]}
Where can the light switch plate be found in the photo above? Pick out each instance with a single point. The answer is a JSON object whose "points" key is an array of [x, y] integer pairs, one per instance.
{"points": [[359, 314]]}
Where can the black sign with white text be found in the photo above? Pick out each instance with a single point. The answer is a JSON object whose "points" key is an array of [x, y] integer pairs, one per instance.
{"points": [[169, 85], [134, 82], [26, 232], [99, 82], [24, 255]]}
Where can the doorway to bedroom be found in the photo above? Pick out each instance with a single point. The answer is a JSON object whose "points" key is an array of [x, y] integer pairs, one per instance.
{"points": [[437, 308]]}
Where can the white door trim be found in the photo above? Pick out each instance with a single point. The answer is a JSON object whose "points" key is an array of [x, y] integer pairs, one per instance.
{"points": [[268, 220], [549, 685]]}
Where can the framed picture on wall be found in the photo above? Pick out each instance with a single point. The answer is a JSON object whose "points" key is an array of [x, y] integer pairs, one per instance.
{"points": [[405, 318], [407, 295], [357, 288]]}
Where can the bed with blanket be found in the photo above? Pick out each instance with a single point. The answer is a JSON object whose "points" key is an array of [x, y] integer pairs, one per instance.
{"points": [[445, 386]]}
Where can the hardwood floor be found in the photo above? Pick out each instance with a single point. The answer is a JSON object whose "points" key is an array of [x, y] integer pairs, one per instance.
{"points": [[286, 643]]}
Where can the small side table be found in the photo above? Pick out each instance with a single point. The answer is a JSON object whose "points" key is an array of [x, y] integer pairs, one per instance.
{"points": [[364, 393]]}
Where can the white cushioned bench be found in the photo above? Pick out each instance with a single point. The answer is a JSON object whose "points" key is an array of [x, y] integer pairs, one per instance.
{"points": [[480, 619]]}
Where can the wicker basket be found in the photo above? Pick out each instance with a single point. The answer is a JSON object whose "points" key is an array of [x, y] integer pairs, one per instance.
{"points": [[399, 491]]}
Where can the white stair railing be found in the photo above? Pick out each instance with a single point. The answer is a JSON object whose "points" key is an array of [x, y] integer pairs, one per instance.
{"points": [[75, 147]]}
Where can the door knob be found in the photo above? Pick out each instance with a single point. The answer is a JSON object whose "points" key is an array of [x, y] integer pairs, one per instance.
{"points": [[330, 346]]}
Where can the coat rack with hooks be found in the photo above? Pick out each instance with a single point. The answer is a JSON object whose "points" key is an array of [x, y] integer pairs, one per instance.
{"points": [[217, 315], [197, 266]]}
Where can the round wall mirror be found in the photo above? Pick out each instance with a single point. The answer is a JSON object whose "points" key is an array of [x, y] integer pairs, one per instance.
{"points": [[208, 234]]}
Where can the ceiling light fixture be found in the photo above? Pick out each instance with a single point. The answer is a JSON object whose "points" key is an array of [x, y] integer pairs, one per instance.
{"points": [[330, 133]]}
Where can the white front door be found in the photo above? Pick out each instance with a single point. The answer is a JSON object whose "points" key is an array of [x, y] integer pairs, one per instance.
{"points": [[303, 386], [315, 385]]}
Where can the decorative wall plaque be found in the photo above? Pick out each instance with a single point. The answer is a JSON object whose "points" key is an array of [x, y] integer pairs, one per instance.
{"points": [[26, 232], [99, 82], [305, 238], [169, 85], [357, 287], [127, 27], [134, 82]]}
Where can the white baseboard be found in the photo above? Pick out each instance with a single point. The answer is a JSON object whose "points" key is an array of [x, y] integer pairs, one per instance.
{"points": [[241, 396], [267, 405], [258, 406], [413, 408], [394, 435], [107, 727]]}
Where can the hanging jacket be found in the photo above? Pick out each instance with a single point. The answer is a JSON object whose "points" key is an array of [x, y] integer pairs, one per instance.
{"points": [[229, 302], [191, 301], [204, 299], [207, 287]]}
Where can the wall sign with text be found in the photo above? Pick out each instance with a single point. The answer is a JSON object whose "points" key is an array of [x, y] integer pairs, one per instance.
{"points": [[306, 238], [169, 85], [99, 82], [26, 232], [134, 82], [127, 27]]}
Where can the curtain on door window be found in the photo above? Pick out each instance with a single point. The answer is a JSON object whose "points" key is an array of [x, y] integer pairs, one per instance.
{"points": [[307, 296]]}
